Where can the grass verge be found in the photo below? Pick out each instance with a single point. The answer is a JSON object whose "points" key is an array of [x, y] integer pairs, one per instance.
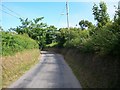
{"points": [[15, 66]]}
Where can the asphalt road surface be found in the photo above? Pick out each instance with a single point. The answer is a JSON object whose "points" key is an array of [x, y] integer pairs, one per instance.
{"points": [[51, 72]]}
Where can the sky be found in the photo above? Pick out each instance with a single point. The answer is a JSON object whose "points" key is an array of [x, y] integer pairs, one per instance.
{"points": [[54, 13]]}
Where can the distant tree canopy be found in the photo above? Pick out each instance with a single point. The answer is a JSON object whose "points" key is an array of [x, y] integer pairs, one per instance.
{"points": [[37, 30], [85, 24], [50, 34]]}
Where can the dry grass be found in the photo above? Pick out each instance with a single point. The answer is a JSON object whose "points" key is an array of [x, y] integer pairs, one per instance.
{"points": [[15, 66], [91, 70], [94, 71], [0, 72]]}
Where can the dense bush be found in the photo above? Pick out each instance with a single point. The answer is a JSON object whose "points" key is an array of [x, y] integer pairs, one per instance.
{"points": [[12, 43], [76, 37], [102, 41]]}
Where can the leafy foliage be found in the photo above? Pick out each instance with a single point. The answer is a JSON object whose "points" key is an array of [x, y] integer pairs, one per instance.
{"points": [[100, 14], [37, 30], [12, 43], [85, 24], [50, 34]]}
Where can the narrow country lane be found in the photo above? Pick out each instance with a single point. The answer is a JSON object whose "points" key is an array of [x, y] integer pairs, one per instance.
{"points": [[51, 72]]}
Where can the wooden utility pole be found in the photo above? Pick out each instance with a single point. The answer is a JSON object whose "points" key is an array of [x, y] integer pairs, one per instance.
{"points": [[67, 13]]}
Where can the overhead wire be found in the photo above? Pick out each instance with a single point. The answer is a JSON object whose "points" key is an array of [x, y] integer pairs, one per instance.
{"points": [[10, 14], [15, 13], [11, 10]]}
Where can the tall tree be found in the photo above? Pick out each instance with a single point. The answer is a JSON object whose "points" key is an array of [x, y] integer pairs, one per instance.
{"points": [[100, 14], [117, 16]]}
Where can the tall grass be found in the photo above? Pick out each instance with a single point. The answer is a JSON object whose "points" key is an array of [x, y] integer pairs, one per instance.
{"points": [[13, 67]]}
